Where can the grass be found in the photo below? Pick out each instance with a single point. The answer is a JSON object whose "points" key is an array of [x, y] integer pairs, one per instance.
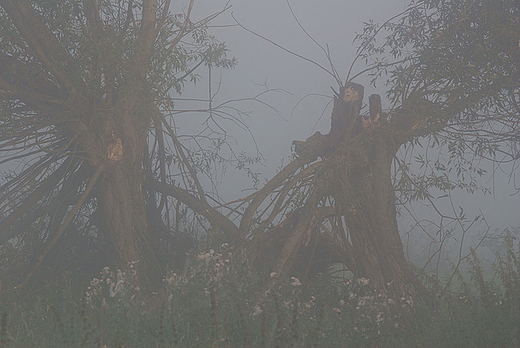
{"points": [[217, 304]]}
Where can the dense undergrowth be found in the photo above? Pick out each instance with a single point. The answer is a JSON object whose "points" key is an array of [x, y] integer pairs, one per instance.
{"points": [[216, 303]]}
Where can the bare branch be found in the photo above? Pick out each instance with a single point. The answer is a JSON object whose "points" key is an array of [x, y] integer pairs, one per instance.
{"points": [[198, 206], [285, 49], [65, 224]]}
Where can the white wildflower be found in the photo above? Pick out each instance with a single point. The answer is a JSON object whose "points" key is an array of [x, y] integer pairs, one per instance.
{"points": [[363, 281], [295, 281], [257, 310], [379, 317]]}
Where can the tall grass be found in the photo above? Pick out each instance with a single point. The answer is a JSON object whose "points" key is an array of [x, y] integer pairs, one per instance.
{"points": [[217, 303]]}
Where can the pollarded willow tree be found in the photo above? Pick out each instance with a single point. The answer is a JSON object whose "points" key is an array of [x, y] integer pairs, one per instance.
{"points": [[453, 77], [86, 93]]}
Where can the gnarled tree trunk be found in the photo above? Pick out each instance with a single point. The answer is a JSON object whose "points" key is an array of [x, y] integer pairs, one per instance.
{"points": [[117, 138], [353, 182], [122, 203], [372, 223]]}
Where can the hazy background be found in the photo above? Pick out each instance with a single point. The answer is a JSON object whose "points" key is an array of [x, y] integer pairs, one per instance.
{"points": [[304, 104]]}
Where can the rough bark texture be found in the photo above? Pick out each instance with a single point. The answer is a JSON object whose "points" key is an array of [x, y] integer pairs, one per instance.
{"points": [[372, 224], [122, 202]]}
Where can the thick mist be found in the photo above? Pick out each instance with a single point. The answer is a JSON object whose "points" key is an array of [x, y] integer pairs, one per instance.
{"points": [[295, 101]]}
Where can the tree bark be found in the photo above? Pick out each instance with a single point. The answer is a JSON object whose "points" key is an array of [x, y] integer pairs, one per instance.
{"points": [[372, 223], [121, 200], [118, 139]]}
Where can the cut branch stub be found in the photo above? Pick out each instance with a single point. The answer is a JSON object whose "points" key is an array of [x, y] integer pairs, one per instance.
{"points": [[345, 124], [376, 117], [115, 149]]}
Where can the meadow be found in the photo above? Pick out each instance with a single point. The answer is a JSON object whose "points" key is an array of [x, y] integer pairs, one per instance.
{"points": [[216, 302]]}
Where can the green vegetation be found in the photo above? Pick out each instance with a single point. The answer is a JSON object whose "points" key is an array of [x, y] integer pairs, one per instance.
{"points": [[215, 304]]}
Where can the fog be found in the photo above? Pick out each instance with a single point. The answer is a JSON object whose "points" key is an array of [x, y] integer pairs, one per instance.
{"points": [[300, 92]]}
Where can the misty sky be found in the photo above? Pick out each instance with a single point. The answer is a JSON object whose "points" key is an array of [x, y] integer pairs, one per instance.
{"points": [[332, 22]]}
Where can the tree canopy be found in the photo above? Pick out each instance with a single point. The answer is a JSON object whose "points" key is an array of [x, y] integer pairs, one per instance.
{"points": [[86, 103]]}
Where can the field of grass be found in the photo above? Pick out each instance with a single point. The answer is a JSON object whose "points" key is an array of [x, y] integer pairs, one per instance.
{"points": [[217, 304]]}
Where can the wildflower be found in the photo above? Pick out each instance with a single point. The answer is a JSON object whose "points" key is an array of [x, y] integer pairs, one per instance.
{"points": [[363, 281], [342, 302], [295, 281], [133, 263], [272, 275], [336, 310], [170, 279], [379, 317], [257, 310]]}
